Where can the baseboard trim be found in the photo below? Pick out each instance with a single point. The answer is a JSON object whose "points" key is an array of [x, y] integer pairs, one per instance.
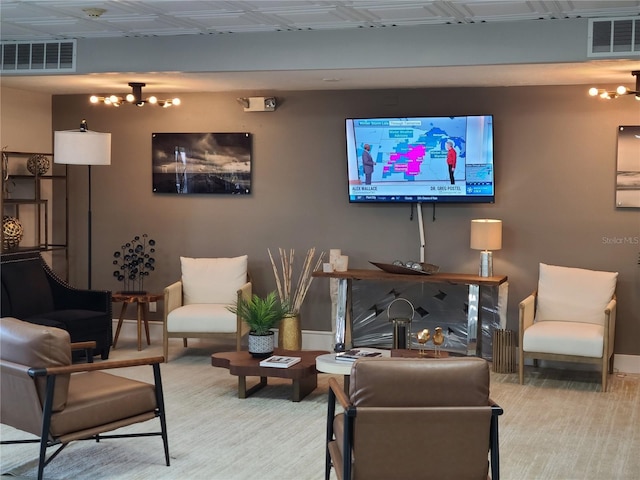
{"points": [[626, 363], [317, 340], [314, 340]]}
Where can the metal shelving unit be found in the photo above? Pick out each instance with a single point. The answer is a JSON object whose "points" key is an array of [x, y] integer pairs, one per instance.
{"points": [[40, 203]]}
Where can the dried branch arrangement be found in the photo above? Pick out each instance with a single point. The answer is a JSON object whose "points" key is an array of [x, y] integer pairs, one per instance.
{"points": [[284, 277]]}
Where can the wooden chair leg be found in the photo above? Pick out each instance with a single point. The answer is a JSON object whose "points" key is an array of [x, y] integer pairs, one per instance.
{"points": [[165, 347], [184, 342], [610, 364], [521, 367]]}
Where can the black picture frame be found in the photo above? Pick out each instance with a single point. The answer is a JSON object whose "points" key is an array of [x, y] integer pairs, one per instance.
{"points": [[628, 167], [201, 163]]}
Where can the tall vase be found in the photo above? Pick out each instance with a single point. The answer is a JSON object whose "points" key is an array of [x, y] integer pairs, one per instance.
{"points": [[289, 333]]}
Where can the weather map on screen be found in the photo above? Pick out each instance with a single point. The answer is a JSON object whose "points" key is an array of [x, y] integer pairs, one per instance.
{"points": [[421, 159]]}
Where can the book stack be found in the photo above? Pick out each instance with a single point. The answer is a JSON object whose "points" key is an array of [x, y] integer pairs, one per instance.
{"points": [[279, 361], [356, 353]]}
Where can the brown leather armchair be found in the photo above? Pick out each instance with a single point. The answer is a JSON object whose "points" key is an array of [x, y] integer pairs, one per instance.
{"points": [[413, 418], [44, 394]]}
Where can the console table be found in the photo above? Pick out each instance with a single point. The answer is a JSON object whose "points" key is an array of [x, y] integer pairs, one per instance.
{"points": [[346, 278]]}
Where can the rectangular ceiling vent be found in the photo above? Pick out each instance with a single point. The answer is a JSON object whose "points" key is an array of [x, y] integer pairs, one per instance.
{"points": [[58, 56], [614, 37]]}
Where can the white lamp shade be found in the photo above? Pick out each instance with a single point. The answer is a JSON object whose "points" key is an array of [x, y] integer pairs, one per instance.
{"points": [[486, 234], [82, 148]]}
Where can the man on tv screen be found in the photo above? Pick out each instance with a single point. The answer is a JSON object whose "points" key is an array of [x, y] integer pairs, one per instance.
{"points": [[367, 163]]}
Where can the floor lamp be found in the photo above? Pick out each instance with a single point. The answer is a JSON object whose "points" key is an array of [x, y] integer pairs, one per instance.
{"points": [[83, 147]]}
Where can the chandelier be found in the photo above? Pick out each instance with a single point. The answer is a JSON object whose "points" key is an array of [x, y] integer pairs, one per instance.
{"points": [[133, 98], [618, 92]]}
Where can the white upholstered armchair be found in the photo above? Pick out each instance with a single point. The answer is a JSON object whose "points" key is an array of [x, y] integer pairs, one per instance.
{"points": [[571, 318], [196, 306]]}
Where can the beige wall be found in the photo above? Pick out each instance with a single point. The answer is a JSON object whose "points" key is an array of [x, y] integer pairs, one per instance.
{"points": [[555, 166], [25, 121]]}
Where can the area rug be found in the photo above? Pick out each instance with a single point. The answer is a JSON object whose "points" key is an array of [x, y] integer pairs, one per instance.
{"points": [[556, 426]]}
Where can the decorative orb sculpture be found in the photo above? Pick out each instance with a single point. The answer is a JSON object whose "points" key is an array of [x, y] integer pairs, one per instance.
{"points": [[133, 262], [12, 232], [38, 164]]}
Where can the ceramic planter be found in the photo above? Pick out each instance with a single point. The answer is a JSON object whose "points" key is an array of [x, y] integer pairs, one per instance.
{"points": [[261, 346]]}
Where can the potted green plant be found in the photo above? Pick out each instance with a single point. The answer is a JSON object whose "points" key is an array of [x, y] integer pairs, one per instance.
{"points": [[261, 314]]}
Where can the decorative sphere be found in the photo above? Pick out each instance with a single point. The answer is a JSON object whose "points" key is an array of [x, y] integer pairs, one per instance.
{"points": [[38, 164], [12, 232], [413, 265]]}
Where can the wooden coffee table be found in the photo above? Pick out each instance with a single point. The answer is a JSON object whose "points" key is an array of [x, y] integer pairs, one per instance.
{"points": [[241, 364]]}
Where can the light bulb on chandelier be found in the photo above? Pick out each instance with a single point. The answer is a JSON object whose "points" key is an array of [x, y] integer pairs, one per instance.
{"points": [[133, 98], [618, 92]]}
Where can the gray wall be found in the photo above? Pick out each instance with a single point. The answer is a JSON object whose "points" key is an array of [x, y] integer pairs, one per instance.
{"points": [[555, 165]]}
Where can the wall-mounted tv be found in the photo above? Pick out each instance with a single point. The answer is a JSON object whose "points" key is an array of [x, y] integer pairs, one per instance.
{"points": [[192, 163], [421, 159]]}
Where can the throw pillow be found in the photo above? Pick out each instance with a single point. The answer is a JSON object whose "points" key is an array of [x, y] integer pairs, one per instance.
{"points": [[574, 294], [212, 280]]}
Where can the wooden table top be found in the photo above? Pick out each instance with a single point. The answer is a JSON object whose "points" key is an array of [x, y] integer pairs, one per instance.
{"points": [[130, 297], [440, 277], [243, 364]]}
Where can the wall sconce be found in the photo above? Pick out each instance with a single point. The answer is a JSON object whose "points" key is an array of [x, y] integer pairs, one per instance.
{"points": [[486, 235], [134, 98], [621, 90], [258, 104]]}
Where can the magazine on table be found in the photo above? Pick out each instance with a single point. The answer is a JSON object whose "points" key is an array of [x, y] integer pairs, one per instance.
{"points": [[279, 361], [356, 353]]}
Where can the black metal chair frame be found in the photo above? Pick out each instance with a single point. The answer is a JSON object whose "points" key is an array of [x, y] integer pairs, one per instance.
{"points": [[44, 441]]}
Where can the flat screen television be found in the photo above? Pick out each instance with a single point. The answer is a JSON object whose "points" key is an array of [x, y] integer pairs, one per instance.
{"points": [[421, 159]]}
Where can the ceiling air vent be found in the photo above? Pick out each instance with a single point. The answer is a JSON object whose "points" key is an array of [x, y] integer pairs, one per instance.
{"points": [[614, 37], [39, 57]]}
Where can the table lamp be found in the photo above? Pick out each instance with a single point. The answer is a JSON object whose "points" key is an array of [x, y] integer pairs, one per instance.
{"points": [[82, 147], [486, 235]]}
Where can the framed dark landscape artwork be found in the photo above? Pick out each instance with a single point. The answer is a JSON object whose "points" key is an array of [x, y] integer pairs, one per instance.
{"points": [[201, 163], [628, 169]]}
